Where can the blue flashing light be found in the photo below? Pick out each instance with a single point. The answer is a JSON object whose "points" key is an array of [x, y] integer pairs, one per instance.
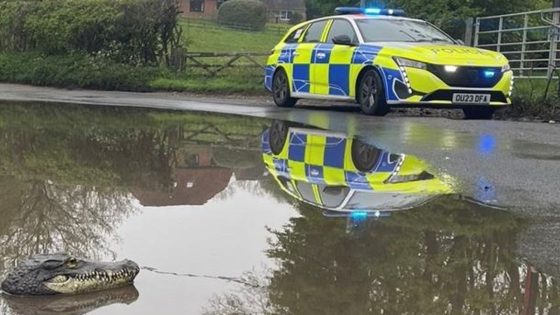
{"points": [[486, 144], [372, 11], [359, 215], [368, 11], [489, 74]]}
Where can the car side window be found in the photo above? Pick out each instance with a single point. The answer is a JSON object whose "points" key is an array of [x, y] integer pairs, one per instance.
{"points": [[342, 27], [333, 196], [295, 36], [314, 32], [306, 191]]}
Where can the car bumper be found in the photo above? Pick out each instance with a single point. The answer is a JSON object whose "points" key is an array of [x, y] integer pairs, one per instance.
{"points": [[428, 90]]}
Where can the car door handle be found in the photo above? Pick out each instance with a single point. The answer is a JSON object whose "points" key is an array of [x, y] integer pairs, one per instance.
{"points": [[295, 54]]}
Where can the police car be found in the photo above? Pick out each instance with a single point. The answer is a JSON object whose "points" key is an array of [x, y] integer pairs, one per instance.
{"points": [[380, 59], [344, 175]]}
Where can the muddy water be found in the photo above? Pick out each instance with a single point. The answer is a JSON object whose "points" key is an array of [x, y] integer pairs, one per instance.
{"points": [[234, 215]]}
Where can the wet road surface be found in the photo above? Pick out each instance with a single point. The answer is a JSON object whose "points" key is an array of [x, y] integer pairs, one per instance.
{"points": [[233, 214], [518, 160]]}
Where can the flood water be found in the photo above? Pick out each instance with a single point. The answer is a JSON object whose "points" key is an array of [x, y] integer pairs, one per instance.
{"points": [[237, 215]]}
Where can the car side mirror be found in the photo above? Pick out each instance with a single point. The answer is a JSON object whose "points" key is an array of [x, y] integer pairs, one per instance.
{"points": [[460, 42], [343, 40]]}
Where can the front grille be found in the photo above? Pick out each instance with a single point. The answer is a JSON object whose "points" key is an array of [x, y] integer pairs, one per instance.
{"points": [[475, 77], [447, 95]]}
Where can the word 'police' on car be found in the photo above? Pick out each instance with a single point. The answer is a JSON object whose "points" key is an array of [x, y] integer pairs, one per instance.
{"points": [[380, 59]]}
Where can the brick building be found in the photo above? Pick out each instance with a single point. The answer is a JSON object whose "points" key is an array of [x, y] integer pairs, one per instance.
{"points": [[283, 11], [279, 11], [200, 8]]}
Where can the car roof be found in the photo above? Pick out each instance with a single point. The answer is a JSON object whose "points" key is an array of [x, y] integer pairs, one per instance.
{"points": [[365, 17]]}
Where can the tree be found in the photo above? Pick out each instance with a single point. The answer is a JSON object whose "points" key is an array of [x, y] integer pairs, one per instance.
{"points": [[447, 14], [446, 257]]}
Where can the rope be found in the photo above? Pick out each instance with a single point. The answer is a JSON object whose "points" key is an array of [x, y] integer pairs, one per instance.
{"points": [[191, 275]]}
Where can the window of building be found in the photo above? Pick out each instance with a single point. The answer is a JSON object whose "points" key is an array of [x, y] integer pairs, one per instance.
{"points": [[285, 15], [197, 5]]}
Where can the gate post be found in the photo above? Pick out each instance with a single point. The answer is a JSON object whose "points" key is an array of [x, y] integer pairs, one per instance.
{"points": [[476, 30], [469, 23], [554, 39]]}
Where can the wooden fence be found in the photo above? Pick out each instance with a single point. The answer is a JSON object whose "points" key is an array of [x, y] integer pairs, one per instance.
{"points": [[213, 63]]}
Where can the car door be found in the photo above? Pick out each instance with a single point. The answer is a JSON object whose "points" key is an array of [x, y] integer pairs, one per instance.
{"points": [[303, 59], [336, 80], [283, 55]]}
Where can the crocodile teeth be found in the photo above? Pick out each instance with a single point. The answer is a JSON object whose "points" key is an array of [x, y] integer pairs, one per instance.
{"points": [[60, 278]]}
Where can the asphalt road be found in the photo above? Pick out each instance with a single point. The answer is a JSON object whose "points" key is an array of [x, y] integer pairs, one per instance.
{"points": [[516, 164]]}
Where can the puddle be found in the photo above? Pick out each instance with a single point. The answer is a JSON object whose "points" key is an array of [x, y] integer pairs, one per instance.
{"points": [[229, 215]]}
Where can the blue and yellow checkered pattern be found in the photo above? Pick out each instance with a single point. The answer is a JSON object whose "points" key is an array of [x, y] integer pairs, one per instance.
{"points": [[321, 159], [325, 70], [328, 69]]}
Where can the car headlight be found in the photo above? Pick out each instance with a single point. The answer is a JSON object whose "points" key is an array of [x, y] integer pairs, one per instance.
{"points": [[403, 62], [506, 67]]}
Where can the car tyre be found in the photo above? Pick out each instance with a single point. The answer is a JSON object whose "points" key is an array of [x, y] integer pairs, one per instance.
{"points": [[281, 90], [478, 112], [277, 136], [364, 155], [371, 94]]}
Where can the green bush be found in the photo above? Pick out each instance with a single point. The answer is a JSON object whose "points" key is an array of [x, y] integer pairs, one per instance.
{"points": [[76, 71], [531, 99], [129, 31], [243, 14]]}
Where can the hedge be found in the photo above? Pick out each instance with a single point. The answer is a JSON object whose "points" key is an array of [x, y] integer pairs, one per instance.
{"points": [[129, 31], [243, 14], [75, 71]]}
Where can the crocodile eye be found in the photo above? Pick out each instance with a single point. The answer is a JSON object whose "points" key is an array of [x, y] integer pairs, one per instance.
{"points": [[72, 263]]}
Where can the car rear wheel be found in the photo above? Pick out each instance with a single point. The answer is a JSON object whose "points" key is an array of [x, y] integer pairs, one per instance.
{"points": [[277, 135], [364, 155], [478, 112], [371, 95], [281, 90]]}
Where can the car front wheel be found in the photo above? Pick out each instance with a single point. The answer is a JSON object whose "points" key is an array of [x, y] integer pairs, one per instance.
{"points": [[281, 90], [371, 95]]}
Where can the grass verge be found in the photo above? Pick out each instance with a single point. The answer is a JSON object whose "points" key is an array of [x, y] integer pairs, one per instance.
{"points": [[204, 35], [531, 99], [81, 71], [74, 71]]}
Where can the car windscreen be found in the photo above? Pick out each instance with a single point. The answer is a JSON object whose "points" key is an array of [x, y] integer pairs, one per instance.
{"points": [[389, 30]]}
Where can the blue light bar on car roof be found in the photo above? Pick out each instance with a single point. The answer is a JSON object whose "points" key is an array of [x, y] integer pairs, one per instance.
{"points": [[369, 11]]}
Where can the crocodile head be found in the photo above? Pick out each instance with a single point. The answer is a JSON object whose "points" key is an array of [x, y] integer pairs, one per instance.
{"points": [[77, 304], [49, 274]]}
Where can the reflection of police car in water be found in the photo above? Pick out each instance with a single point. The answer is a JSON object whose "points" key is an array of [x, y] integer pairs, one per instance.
{"points": [[345, 175], [381, 59]]}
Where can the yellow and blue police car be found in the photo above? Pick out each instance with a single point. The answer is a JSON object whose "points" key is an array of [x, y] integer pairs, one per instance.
{"points": [[381, 59], [345, 175]]}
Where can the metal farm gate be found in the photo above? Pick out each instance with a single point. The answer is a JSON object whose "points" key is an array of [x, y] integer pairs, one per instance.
{"points": [[528, 39]]}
